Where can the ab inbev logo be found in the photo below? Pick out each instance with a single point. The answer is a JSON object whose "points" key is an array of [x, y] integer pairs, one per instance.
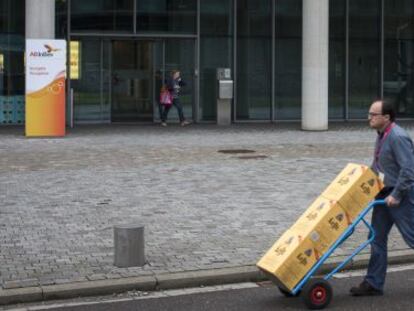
{"points": [[48, 53]]}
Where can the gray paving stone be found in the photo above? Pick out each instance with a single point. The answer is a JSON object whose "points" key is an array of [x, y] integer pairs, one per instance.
{"points": [[201, 209]]}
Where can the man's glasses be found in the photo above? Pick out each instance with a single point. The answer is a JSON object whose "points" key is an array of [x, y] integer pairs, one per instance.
{"points": [[374, 114]]}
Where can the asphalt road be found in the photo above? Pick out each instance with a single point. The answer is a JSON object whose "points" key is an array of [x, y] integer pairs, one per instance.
{"points": [[249, 297]]}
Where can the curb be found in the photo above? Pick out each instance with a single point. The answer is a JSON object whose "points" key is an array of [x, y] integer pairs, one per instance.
{"points": [[166, 281]]}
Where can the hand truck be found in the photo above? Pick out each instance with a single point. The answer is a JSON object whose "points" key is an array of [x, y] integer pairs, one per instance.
{"points": [[316, 292]]}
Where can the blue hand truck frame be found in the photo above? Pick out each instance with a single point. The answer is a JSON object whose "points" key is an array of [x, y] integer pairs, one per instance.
{"points": [[345, 235]]}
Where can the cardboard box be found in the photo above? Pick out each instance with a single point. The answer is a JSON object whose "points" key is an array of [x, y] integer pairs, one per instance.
{"points": [[302, 245], [354, 188], [289, 259], [323, 222]]}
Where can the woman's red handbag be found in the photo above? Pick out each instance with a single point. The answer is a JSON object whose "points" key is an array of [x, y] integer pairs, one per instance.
{"points": [[166, 97]]}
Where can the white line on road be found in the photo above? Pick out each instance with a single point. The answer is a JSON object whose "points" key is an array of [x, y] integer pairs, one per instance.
{"points": [[185, 291], [343, 275], [141, 295]]}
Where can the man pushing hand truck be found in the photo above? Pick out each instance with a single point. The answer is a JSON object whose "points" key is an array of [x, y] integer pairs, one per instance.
{"points": [[387, 188]]}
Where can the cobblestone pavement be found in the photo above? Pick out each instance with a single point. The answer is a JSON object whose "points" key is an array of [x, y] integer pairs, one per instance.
{"points": [[201, 208]]}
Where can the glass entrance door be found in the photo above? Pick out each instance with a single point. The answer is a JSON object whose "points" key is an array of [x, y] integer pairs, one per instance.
{"points": [[139, 68], [120, 80], [91, 87], [132, 75]]}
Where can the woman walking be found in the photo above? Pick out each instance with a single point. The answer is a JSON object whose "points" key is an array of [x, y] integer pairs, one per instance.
{"points": [[174, 84]]}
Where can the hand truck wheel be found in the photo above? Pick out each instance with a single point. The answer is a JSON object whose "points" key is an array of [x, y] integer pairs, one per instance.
{"points": [[317, 294], [287, 293]]}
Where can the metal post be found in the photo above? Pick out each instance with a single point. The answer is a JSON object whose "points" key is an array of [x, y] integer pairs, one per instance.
{"points": [[129, 246]]}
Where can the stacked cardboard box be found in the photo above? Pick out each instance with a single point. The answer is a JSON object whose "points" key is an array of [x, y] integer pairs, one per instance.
{"points": [[301, 246]]}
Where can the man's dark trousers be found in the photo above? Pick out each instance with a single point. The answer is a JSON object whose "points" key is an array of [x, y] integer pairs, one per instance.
{"points": [[383, 218]]}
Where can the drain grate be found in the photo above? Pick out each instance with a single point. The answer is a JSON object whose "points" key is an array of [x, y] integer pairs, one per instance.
{"points": [[235, 151]]}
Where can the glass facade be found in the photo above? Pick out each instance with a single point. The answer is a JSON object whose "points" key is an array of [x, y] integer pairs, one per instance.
{"points": [[101, 15], [337, 56], [11, 47], [91, 90], [216, 50], [166, 16], [364, 55], [288, 59], [12, 16], [398, 81], [127, 48], [61, 19], [254, 50]]}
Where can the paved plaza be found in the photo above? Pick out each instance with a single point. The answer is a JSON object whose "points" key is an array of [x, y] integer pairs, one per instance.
{"points": [[202, 209]]}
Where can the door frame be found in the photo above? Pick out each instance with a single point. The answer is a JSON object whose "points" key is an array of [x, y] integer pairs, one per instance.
{"points": [[155, 92]]}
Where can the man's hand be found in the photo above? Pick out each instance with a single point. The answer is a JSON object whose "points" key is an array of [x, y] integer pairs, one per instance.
{"points": [[391, 201]]}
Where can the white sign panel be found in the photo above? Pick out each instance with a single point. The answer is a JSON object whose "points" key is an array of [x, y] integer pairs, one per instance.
{"points": [[45, 87]]}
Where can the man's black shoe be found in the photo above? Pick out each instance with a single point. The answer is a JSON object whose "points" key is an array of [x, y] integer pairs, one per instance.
{"points": [[365, 289]]}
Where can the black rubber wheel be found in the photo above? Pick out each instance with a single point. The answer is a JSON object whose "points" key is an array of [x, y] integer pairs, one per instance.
{"points": [[317, 294], [287, 293]]}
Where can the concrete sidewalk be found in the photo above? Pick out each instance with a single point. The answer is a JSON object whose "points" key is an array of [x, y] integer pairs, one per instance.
{"points": [[208, 215]]}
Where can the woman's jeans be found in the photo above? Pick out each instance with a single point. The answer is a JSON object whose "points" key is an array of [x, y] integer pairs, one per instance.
{"points": [[383, 218], [166, 109]]}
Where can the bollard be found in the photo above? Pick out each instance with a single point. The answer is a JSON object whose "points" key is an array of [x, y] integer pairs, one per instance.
{"points": [[129, 246]]}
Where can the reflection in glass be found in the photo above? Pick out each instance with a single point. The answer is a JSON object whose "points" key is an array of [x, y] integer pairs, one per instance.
{"points": [[87, 101], [179, 55], [174, 54], [288, 59], [101, 15], [337, 59], [12, 16], [12, 47], [215, 51], [178, 16], [106, 81], [399, 55], [132, 81], [254, 47], [61, 19], [11, 61], [159, 77], [364, 55]]}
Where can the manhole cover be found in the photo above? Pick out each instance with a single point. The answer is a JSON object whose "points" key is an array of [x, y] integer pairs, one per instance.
{"points": [[233, 151], [252, 157]]}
